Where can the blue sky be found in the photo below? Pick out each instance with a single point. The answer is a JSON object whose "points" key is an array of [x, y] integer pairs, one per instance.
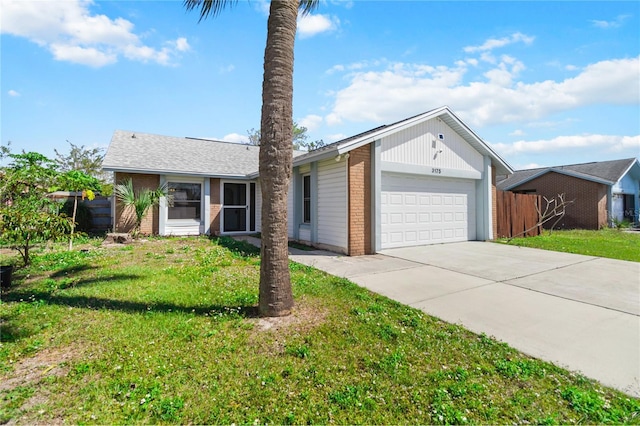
{"points": [[544, 83]]}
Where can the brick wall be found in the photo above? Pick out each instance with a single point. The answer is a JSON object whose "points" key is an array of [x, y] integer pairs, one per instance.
{"points": [[125, 217], [359, 181], [589, 209], [215, 206]]}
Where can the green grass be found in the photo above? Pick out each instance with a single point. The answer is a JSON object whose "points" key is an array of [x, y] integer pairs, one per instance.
{"points": [[165, 332], [611, 243]]}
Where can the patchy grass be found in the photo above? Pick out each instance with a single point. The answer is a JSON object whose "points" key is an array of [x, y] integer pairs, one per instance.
{"points": [[611, 243], [165, 332]]}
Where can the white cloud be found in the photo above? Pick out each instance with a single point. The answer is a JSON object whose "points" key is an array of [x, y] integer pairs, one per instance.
{"points": [[336, 137], [311, 122], [13, 93], [528, 166], [494, 43], [181, 44], [616, 23], [612, 142], [236, 138], [310, 25], [82, 55], [492, 99], [354, 66], [517, 132], [71, 32], [227, 69]]}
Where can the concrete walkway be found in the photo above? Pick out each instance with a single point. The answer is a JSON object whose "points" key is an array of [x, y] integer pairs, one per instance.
{"points": [[579, 312]]}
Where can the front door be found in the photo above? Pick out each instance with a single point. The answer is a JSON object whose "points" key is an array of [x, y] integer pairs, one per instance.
{"points": [[235, 207]]}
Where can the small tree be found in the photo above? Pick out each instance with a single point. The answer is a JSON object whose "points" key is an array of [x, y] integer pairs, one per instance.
{"points": [[299, 138], [27, 215], [88, 161], [141, 201], [555, 208], [79, 183]]}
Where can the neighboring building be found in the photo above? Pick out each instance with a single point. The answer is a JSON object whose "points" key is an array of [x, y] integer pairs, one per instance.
{"points": [[424, 180], [601, 191]]}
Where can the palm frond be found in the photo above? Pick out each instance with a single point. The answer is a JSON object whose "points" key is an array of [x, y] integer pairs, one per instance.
{"points": [[208, 7], [308, 6], [125, 193]]}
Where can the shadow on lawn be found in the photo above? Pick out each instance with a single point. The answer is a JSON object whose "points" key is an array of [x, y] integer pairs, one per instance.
{"points": [[71, 270], [241, 248], [98, 303]]}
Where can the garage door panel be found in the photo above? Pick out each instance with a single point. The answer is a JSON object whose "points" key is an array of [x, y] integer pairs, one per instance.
{"points": [[417, 210]]}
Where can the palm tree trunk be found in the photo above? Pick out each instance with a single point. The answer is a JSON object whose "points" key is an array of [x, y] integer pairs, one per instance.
{"points": [[276, 153]]}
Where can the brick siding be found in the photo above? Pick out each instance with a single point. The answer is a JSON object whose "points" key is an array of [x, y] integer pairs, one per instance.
{"points": [[359, 181], [215, 206], [125, 219], [588, 211]]}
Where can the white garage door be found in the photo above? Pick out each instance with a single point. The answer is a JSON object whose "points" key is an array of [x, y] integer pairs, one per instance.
{"points": [[417, 210]]}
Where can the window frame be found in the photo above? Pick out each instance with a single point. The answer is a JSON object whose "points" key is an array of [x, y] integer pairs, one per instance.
{"points": [[188, 202], [306, 198]]}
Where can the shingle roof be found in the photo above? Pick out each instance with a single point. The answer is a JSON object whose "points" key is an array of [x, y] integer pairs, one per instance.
{"points": [[174, 155], [144, 152], [607, 172]]}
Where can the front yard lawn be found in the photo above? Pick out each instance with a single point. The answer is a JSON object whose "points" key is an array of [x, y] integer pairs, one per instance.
{"points": [[165, 332], [611, 243]]}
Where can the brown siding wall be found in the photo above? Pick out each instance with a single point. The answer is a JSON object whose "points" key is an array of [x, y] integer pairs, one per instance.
{"points": [[588, 210], [215, 206], [125, 217], [359, 177]]}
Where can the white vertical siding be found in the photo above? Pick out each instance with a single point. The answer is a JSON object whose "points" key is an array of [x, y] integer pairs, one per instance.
{"points": [[332, 203], [290, 210], [259, 207], [415, 145]]}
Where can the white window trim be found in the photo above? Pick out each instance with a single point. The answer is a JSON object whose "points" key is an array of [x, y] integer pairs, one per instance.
{"points": [[306, 223]]}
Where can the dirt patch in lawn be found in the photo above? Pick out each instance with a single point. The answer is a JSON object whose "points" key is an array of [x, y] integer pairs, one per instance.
{"points": [[270, 334], [304, 317], [45, 363], [33, 371]]}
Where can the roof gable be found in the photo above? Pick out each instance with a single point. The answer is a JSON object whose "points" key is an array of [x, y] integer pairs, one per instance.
{"points": [[444, 113]]}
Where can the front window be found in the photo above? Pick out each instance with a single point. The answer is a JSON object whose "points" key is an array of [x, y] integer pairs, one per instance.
{"points": [[186, 200], [306, 199]]}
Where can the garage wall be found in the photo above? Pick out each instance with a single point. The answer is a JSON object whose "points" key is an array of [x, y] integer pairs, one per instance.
{"points": [[332, 203], [420, 145]]}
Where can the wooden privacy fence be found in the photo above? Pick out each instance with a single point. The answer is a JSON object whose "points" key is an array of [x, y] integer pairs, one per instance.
{"points": [[517, 213], [100, 208]]}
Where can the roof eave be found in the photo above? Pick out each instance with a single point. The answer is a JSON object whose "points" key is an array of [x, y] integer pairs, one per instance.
{"points": [[176, 173], [634, 163]]}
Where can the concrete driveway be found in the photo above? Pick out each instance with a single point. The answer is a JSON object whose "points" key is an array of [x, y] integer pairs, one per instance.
{"points": [[579, 312]]}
